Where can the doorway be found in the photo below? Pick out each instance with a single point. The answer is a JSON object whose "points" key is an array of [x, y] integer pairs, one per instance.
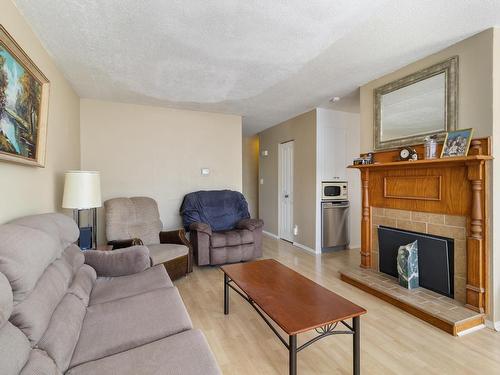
{"points": [[285, 189]]}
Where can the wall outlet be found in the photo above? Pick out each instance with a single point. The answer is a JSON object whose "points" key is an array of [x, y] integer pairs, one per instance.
{"points": [[205, 171], [262, 181], [295, 230]]}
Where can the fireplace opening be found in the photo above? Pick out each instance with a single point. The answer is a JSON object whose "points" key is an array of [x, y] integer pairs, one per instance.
{"points": [[435, 257]]}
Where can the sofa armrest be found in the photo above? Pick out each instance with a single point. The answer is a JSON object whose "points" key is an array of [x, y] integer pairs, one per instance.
{"points": [[250, 224], [126, 261], [178, 237], [120, 244], [201, 227]]}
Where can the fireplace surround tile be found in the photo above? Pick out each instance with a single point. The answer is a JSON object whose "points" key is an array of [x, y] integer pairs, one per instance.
{"points": [[446, 231], [414, 226], [442, 225], [427, 217], [397, 214]]}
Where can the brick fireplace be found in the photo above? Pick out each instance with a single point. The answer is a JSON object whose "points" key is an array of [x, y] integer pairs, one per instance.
{"points": [[442, 197]]}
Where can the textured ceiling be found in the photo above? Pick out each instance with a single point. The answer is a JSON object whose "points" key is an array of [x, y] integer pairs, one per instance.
{"points": [[264, 60]]}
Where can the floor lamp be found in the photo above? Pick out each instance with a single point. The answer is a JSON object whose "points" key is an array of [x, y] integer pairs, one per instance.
{"points": [[82, 191]]}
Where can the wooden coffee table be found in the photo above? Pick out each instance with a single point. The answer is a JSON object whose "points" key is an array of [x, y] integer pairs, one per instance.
{"points": [[295, 303]]}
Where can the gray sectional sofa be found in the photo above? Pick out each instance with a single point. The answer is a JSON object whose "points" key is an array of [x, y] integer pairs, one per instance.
{"points": [[64, 311]]}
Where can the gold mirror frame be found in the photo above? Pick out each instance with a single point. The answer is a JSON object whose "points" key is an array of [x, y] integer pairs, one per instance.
{"points": [[450, 68]]}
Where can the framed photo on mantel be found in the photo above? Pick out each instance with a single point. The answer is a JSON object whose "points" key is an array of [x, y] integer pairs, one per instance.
{"points": [[24, 101], [457, 143]]}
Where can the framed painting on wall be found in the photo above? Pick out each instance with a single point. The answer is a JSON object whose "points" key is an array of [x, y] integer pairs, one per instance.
{"points": [[24, 100]]}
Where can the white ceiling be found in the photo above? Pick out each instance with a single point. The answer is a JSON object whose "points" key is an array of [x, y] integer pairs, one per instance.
{"points": [[265, 60]]}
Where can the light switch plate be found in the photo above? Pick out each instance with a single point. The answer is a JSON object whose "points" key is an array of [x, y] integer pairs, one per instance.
{"points": [[262, 181], [205, 171]]}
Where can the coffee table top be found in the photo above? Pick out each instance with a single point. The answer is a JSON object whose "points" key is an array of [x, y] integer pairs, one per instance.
{"points": [[294, 302]]}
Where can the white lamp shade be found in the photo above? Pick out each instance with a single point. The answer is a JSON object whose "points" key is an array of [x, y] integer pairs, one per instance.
{"points": [[82, 189]]}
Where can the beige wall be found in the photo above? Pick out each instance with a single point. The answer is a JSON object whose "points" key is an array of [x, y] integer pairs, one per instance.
{"points": [[29, 190], [301, 129], [478, 107], [475, 86], [251, 173], [159, 152]]}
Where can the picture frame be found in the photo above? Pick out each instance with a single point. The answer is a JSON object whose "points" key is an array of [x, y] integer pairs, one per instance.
{"points": [[24, 103], [457, 143]]}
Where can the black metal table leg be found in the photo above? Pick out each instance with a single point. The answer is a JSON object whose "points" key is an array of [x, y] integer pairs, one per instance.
{"points": [[226, 294], [292, 350], [356, 347]]}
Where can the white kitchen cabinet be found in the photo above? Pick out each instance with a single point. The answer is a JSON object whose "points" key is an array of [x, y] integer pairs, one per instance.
{"points": [[332, 152]]}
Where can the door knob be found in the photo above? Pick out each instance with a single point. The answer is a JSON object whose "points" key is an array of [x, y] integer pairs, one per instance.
{"points": [[286, 195]]}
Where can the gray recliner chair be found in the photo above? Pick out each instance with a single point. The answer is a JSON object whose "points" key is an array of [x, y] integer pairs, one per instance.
{"points": [[221, 230], [136, 221]]}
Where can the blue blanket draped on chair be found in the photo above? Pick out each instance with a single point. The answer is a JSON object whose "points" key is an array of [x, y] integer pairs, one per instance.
{"points": [[221, 209]]}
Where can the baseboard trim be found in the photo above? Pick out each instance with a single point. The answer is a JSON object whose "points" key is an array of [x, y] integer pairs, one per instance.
{"points": [[304, 247], [470, 330], [270, 234], [299, 245]]}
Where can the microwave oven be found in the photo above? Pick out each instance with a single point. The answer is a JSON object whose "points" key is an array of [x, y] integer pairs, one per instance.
{"points": [[334, 191]]}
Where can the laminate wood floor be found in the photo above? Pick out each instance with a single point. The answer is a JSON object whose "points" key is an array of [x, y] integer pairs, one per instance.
{"points": [[392, 341]]}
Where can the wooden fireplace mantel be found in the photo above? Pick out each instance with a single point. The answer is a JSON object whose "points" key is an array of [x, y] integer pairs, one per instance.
{"points": [[452, 186]]}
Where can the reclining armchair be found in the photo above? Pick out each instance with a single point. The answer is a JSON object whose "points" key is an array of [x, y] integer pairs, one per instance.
{"points": [[136, 221], [221, 230]]}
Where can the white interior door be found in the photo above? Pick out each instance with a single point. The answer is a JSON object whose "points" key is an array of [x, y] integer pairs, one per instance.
{"points": [[286, 191]]}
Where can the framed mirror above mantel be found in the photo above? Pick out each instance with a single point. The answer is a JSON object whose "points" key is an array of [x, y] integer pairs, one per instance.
{"points": [[413, 107]]}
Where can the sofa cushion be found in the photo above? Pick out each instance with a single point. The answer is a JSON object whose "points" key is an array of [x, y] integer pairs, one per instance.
{"points": [[25, 253], [33, 314], [6, 300], [231, 238], [60, 339], [74, 257], [59, 226], [116, 326], [15, 349], [111, 288], [164, 252], [39, 363], [82, 284], [120, 262], [232, 254], [186, 353]]}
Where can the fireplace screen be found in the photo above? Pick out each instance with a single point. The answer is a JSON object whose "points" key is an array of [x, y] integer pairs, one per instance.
{"points": [[435, 257]]}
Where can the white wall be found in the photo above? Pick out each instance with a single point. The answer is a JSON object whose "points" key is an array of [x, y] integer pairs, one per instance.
{"points": [[159, 152], [26, 190], [347, 127]]}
